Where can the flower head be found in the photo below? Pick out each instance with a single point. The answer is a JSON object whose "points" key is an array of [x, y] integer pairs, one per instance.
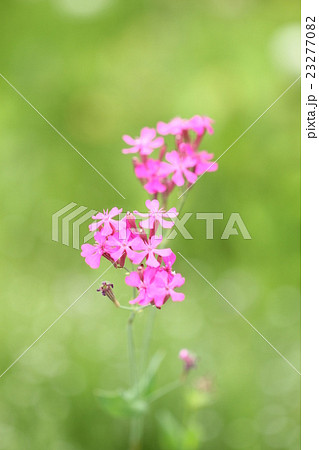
{"points": [[121, 246], [176, 127], [188, 358], [94, 253], [201, 159], [185, 162], [106, 223], [203, 163], [145, 144], [156, 215], [141, 280], [164, 286], [151, 173], [200, 124], [149, 250], [180, 167]]}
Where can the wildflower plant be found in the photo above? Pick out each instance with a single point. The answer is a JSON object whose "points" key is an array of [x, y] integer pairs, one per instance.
{"points": [[135, 240]]}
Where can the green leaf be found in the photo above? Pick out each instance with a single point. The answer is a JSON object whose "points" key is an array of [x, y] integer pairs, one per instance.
{"points": [[172, 431], [131, 402], [147, 381], [175, 436]]}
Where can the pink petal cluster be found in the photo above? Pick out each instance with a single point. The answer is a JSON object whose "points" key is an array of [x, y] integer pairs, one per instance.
{"points": [[188, 358], [118, 240], [145, 143], [183, 164]]}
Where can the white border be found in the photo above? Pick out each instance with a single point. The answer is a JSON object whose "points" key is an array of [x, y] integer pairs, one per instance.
{"points": [[309, 246]]}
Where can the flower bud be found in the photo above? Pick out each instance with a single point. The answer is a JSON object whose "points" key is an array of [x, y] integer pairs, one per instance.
{"points": [[130, 220], [140, 271], [188, 358], [106, 290]]}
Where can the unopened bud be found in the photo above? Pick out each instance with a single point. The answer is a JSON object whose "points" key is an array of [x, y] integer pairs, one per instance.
{"points": [[106, 290], [130, 220], [140, 271], [188, 358]]}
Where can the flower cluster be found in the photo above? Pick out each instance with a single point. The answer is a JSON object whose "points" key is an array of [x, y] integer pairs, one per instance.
{"points": [[119, 239], [185, 162]]}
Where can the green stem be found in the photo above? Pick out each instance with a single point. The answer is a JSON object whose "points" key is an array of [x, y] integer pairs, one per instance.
{"points": [[147, 337], [128, 308], [135, 434], [182, 201], [136, 425], [179, 210], [131, 349]]}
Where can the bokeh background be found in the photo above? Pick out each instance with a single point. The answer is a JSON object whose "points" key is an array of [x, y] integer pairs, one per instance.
{"points": [[98, 69]]}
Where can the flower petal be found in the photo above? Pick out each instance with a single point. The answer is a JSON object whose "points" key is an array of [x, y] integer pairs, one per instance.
{"points": [[177, 296], [148, 133], [129, 140], [133, 279]]}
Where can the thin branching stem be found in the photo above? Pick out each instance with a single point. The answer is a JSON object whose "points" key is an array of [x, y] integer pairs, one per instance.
{"points": [[164, 390], [147, 337], [131, 349]]}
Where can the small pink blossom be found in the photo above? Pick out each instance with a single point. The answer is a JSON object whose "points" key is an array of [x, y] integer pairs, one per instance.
{"points": [[202, 159], [106, 221], [156, 215], [203, 163], [145, 144], [176, 127], [149, 250], [142, 281], [164, 285], [94, 253], [200, 124], [169, 261], [188, 358], [120, 246], [180, 166], [152, 173]]}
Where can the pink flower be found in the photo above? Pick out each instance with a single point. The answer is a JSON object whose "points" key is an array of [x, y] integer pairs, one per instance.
{"points": [[202, 159], [94, 253], [164, 285], [180, 165], [176, 126], [188, 358], [203, 164], [156, 215], [142, 281], [120, 246], [106, 220], [169, 261], [145, 144], [200, 124], [152, 172], [149, 250]]}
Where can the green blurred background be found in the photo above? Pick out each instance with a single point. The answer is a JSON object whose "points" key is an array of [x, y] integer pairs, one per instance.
{"points": [[98, 69]]}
